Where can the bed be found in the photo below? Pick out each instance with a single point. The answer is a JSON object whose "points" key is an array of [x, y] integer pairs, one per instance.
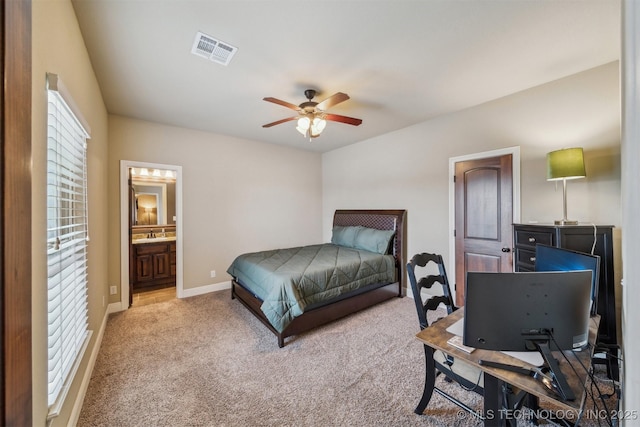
{"points": [[317, 293]]}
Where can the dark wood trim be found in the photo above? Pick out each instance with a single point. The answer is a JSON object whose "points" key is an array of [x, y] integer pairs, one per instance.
{"points": [[371, 218], [15, 112]]}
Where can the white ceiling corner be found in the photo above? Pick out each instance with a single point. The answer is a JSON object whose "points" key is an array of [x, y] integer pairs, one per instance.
{"points": [[401, 61]]}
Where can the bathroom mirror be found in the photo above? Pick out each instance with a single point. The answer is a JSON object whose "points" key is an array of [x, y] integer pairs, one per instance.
{"points": [[147, 212], [154, 202]]}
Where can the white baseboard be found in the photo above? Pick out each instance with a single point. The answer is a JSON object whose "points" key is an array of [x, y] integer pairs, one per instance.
{"points": [[84, 385], [200, 290], [113, 308], [186, 293]]}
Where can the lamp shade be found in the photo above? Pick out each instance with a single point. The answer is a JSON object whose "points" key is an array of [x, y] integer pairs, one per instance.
{"points": [[565, 164]]}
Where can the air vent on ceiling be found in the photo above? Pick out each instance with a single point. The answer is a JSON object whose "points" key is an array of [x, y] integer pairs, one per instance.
{"points": [[212, 49]]}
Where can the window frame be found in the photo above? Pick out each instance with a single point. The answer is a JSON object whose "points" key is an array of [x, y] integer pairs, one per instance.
{"points": [[68, 331]]}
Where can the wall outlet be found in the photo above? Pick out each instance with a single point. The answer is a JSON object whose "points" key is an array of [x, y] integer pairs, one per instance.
{"points": [[213, 273], [113, 290]]}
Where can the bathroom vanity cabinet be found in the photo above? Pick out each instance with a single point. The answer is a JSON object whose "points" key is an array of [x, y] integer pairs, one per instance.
{"points": [[155, 264]]}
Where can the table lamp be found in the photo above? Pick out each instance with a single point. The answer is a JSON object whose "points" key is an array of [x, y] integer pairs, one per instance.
{"points": [[563, 165]]}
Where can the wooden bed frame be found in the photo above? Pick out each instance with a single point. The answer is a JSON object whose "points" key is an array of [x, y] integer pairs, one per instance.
{"points": [[379, 219]]}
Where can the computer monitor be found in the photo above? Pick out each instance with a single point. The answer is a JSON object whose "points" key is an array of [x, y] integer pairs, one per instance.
{"points": [[549, 258], [509, 311], [541, 311]]}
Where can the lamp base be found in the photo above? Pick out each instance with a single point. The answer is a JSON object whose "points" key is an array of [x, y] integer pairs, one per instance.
{"points": [[565, 222]]}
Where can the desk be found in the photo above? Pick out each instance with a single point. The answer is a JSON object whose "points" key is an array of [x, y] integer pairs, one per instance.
{"points": [[435, 337]]}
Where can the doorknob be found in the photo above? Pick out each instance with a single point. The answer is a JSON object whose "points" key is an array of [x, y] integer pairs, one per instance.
{"points": [[506, 250]]}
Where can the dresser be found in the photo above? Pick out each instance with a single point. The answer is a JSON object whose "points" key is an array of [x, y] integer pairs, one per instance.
{"points": [[577, 238]]}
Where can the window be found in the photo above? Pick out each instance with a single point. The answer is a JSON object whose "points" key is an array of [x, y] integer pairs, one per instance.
{"points": [[67, 237]]}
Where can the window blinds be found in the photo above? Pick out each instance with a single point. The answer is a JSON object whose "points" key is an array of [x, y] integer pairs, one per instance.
{"points": [[67, 237]]}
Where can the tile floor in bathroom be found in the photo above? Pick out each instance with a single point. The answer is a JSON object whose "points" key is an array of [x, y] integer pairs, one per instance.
{"points": [[153, 296]]}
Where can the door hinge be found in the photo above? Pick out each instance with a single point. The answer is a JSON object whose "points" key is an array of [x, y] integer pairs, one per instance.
{"points": [[454, 178], [454, 233]]}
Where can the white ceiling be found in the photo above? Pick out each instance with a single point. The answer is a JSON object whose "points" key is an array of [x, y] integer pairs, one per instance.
{"points": [[401, 61]]}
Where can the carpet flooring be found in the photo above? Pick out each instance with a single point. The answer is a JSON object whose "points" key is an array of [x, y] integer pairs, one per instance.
{"points": [[206, 361]]}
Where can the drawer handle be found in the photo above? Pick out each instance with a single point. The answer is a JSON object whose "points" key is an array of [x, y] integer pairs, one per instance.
{"points": [[532, 239], [532, 259]]}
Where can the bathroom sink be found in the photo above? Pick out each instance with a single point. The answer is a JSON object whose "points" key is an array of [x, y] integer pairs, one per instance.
{"points": [[154, 240]]}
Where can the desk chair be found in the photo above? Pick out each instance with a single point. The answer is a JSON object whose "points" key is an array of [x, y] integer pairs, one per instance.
{"points": [[470, 377]]}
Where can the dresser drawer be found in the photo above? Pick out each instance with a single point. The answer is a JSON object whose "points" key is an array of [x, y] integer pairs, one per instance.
{"points": [[525, 257], [577, 238], [529, 238], [151, 248]]}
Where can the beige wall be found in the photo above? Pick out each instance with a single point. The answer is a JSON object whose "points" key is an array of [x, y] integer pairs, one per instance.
{"points": [[242, 195], [58, 48], [238, 195], [408, 169]]}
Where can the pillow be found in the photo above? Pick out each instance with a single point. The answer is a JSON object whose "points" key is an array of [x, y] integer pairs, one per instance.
{"points": [[373, 240], [345, 236]]}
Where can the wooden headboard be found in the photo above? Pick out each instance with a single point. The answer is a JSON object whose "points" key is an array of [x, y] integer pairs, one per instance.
{"points": [[381, 219]]}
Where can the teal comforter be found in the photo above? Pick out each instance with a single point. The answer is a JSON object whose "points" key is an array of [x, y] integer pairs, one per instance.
{"points": [[290, 280]]}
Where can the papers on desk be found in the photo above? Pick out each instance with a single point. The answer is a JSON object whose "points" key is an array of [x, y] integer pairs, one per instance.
{"points": [[456, 341], [532, 357], [457, 328]]}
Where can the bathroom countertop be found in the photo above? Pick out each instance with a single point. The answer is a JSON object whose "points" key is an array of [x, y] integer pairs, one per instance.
{"points": [[154, 240]]}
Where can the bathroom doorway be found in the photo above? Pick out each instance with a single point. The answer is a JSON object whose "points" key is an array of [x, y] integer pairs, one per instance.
{"points": [[150, 230]]}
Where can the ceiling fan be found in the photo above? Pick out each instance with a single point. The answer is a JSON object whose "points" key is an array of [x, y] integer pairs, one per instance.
{"points": [[312, 116]]}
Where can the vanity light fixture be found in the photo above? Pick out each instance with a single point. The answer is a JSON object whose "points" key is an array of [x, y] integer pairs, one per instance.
{"points": [[153, 175]]}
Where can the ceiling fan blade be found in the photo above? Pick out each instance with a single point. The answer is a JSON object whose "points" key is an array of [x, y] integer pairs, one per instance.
{"points": [[343, 119], [288, 119], [283, 103], [332, 100]]}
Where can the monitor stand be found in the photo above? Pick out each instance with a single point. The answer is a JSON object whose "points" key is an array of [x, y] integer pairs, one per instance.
{"points": [[558, 377]]}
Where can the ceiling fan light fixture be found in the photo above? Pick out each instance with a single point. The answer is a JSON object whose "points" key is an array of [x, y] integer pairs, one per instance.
{"points": [[303, 125], [318, 125], [312, 118]]}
